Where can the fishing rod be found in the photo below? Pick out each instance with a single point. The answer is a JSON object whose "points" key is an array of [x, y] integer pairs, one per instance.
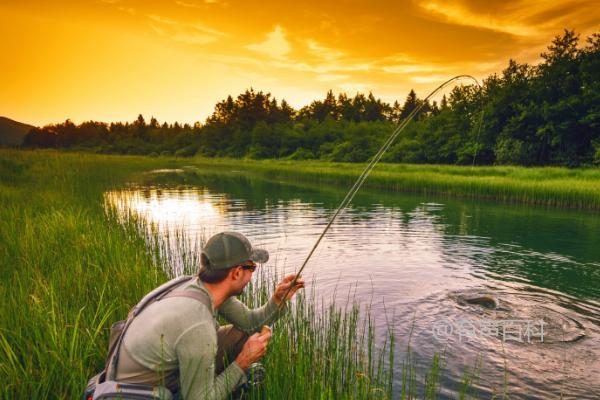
{"points": [[367, 170]]}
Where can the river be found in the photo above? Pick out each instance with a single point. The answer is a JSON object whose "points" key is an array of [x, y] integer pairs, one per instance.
{"points": [[513, 288]]}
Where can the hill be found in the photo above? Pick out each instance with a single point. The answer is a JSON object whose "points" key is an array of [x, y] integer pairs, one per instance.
{"points": [[12, 132]]}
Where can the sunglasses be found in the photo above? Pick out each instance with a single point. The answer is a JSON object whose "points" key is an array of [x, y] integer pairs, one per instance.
{"points": [[251, 267]]}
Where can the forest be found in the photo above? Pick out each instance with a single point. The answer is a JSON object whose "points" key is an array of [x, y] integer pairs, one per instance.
{"points": [[530, 115]]}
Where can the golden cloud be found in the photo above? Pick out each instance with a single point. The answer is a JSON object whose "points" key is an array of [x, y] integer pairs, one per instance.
{"points": [[275, 45]]}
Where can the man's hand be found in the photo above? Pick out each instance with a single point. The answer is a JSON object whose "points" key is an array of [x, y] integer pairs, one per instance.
{"points": [[254, 349], [284, 285]]}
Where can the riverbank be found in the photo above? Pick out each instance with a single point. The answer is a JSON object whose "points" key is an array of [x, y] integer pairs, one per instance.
{"points": [[69, 269], [67, 272], [548, 186]]}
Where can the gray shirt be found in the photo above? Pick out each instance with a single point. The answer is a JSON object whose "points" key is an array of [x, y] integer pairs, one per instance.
{"points": [[176, 339]]}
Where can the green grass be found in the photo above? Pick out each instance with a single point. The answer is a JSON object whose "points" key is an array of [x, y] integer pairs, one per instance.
{"points": [[322, 351], [67, 271], [69, 268], [548, 186]]}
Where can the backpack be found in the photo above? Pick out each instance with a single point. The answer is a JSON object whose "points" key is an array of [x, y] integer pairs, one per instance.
{"points": [[104, 386]]}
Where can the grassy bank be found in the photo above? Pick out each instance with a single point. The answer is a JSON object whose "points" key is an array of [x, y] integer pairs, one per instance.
{"points": [[68, 270], [549, 186]]}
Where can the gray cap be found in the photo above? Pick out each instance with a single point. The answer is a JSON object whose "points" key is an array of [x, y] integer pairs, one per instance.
{"points": [[228, 249]]}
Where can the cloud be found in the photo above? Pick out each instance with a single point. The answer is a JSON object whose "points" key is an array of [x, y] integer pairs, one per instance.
{"points": [[323, 52], [411, 68], [328, 24], [459, 14], [329, 70], [194, 5], [275, 45], [429, 78], [332, 77], [188, 5], [190, 33], [128, 10], [531, 20], [322, 66]]}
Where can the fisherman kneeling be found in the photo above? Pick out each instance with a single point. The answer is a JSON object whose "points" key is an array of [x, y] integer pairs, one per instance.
{"points": [[176, 342]]}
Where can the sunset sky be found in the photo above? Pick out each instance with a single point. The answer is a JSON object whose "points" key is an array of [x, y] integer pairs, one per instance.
{"points": [[110, 60]]}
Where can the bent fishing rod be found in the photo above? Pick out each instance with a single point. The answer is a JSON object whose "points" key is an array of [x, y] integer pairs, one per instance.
{"points": [[367, 170]]}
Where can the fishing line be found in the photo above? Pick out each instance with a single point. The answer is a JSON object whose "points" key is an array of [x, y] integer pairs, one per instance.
{"points": [[367, 170]]}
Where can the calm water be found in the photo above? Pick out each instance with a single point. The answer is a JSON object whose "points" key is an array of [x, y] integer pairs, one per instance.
{"points": [[425, 260]]}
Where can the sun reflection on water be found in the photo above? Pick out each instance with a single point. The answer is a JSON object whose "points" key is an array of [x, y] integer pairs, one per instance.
{"points": [[166, 207]]}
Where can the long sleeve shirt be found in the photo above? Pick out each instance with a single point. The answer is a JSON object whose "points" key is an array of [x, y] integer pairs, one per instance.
{"points": [[175, 339]]}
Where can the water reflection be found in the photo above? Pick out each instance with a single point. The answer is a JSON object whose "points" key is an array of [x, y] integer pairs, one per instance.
{"points": [[165, 206], [410, 256]]}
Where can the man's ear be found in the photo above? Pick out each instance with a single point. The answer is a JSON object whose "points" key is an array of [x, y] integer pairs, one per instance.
{"points": [[235, 273]]}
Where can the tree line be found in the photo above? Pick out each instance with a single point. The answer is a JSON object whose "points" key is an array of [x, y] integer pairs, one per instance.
{"points": [[544, 114]]}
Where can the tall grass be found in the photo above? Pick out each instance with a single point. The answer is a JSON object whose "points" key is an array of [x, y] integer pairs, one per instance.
{"points": [[69, 268], [547, 186], [323, 351], [319, 349]]}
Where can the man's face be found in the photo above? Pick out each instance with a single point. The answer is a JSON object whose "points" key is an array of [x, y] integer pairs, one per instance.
{"points": [[243, 277]]}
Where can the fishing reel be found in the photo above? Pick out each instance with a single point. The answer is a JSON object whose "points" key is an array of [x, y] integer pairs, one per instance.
{"points": [[256, 374]]}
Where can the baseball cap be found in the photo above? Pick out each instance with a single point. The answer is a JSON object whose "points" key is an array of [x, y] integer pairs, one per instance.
{"points": [[228, 249]]}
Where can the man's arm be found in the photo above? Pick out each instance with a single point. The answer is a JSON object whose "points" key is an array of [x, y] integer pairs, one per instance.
{"points": [[251, 321], [196, 350], [248, 320]]}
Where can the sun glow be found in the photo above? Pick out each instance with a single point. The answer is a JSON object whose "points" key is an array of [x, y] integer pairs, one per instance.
{"points": [[110, 60], [165, 207]]}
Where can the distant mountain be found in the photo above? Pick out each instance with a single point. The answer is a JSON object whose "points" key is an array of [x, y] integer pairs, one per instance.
{"points": [[12, 132]]}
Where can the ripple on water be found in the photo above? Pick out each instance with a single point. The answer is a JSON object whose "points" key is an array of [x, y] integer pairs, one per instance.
{"points": [[560, 324]]}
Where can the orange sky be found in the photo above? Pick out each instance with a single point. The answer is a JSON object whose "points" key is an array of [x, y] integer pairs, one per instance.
{"points": [[109, 60]]}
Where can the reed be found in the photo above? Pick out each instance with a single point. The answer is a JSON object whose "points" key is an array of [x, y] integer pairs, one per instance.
{"points": [[547, 186], [69, 268]]}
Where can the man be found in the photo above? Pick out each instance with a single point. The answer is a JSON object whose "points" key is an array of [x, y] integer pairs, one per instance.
{"points": [[176, 342]]}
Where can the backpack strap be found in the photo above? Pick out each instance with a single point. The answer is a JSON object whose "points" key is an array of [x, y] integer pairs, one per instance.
{"points": [[156, 294], [160, 292], [197, 295]]}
